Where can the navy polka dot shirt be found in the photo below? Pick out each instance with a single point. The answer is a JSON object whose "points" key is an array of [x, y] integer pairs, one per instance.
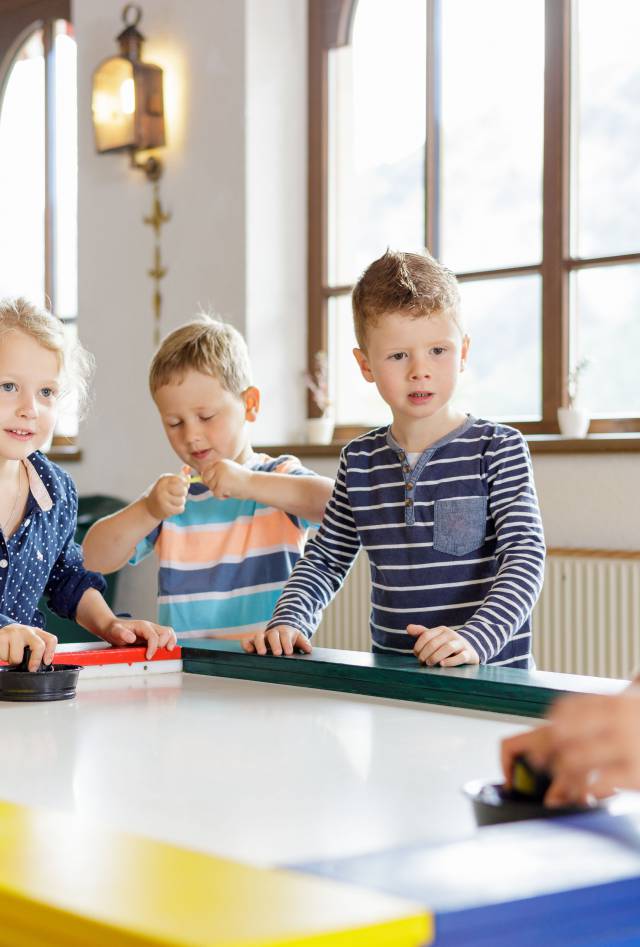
{"points": [[42, 556]]}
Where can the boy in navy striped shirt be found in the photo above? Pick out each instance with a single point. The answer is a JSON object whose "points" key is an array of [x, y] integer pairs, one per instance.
{"points": [[443, 503]]}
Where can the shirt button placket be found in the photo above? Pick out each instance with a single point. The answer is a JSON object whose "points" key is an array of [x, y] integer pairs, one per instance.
{"points": [[4, 562]]}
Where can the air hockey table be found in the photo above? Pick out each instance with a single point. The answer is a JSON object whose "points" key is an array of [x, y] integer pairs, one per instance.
{"points": [[214, 797]]}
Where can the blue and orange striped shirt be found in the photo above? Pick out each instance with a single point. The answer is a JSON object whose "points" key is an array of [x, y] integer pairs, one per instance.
{"points": [[455, 540], [223, 563]]}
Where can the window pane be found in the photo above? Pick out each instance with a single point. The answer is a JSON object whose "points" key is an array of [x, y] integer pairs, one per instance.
{"points": [[66, 191], [606, 132], [22, 180], [356, 401], [492, 133], [503, 376], [67, 423], [377, 104], [607, 332]]}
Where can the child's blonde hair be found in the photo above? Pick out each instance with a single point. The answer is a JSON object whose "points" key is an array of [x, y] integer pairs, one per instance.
{"points": [[204, 345], [411, 283], [75, 363]]}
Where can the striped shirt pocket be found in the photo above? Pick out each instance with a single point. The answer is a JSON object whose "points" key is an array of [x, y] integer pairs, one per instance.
{"points": [[459, 525]]}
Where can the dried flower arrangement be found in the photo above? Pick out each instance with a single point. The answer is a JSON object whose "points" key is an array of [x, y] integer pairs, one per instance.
{"points": [[318, 383], [573, 380]]}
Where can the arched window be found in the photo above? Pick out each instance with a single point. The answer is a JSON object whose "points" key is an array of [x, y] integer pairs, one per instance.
{"points": [[504, 137], [38, 166]]}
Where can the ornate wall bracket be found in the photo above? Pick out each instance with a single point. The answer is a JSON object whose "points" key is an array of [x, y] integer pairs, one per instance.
{"points": [[156, 219]]}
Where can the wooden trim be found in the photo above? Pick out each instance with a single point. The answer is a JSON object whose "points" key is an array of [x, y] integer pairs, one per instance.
{"points": [[538, 444], [71, 455], [50, 209], [502, 273], [433, 126], [555, 230], [337, 17], [19, 17], [598, 426], [61, 440], [614, 425], [317, 199], [593, 444], [619, 259], [330, 291], [572, 553]]}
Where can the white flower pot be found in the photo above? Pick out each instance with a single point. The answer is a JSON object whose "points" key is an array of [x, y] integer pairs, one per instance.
{"points": [[573, 422], [320, 430]]}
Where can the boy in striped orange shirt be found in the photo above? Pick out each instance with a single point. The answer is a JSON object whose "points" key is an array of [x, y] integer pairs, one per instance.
{"points": [[229, 528]]}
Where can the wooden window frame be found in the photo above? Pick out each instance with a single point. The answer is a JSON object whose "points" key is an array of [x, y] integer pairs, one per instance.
{"points": [[330, 26], [18, 19]]}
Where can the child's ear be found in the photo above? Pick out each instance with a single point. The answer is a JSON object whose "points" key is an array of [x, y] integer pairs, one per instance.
{"points": [[251, 398], [464, 352], [361, 359]]}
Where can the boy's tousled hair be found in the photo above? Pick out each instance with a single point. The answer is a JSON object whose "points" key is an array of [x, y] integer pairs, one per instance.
{"points": [[411, 283], [204, 345], [75, 363]]}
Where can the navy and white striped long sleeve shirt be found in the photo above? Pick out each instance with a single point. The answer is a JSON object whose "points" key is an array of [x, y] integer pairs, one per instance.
{"points": [[456, 540]]}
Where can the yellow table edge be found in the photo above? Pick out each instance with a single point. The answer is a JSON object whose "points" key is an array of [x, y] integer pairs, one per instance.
{"points": [[65, 881]]}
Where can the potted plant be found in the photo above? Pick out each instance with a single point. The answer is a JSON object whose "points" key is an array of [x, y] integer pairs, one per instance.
{"points": [[320, 429], [573, 421]]}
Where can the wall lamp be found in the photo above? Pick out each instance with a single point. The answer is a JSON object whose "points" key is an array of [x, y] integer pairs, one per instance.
{"points": [[128, 115], [127, 100]]}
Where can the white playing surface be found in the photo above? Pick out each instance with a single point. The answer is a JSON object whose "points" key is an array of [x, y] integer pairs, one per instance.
{"points": [[259, 772]]}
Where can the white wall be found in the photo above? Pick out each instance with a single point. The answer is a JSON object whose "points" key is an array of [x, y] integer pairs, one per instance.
{"points": [[235, 93], [235, 183], [203, 245], [587, 500]]}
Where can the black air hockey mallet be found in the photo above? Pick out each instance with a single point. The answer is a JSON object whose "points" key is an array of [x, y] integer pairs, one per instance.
{"points": [[527, 782]]}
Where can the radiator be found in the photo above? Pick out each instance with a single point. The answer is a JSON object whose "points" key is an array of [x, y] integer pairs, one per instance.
{"points": [[345, 623], [587, 620]]}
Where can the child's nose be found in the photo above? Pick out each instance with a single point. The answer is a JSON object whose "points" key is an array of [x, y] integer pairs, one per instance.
{"points": [[420, 369], [193, 438], [27, 406]]}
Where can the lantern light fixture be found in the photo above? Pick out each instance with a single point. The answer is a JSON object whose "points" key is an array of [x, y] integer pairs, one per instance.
{"points": [[127, 99]]}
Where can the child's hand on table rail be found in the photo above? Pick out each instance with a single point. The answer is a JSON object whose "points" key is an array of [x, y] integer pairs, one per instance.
{"points": [[122, 631], [441, 646], [280, 640]]}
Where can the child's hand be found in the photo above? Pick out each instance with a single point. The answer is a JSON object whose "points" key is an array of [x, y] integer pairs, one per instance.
{"points": [[281, 639], [167, 496], [226, 478], [442, 646], [15, 638], [126, 631]]}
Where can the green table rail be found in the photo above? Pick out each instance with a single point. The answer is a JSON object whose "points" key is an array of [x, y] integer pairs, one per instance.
{"points": [[497, 689]]}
